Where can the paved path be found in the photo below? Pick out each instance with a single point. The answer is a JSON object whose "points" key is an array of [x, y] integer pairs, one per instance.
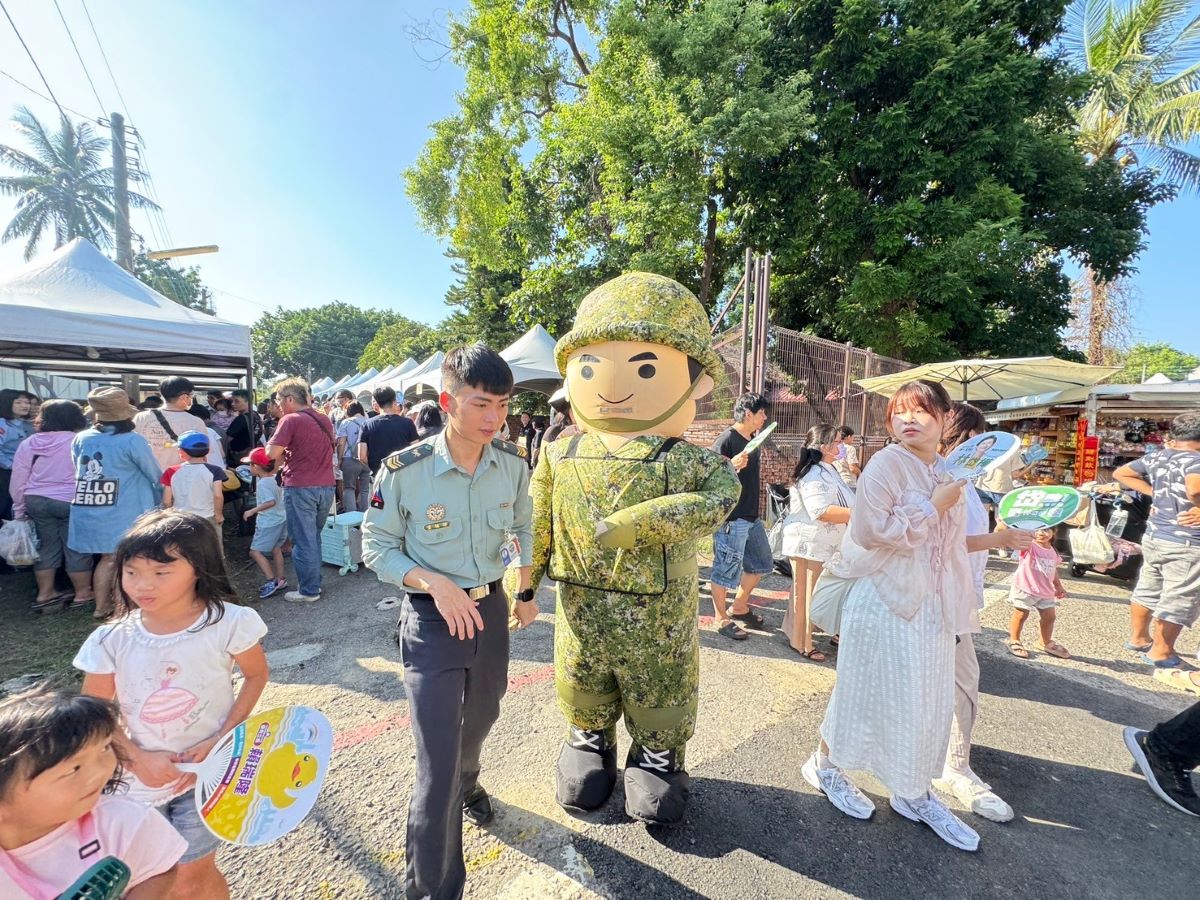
{"points": [[1048, 739]]}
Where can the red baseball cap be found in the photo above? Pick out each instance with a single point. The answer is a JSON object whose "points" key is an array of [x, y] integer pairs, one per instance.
{"points": [[259, 457]]}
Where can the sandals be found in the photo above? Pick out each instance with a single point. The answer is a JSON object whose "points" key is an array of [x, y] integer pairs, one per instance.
{"points": [[1055, 649], [733, 631], [814, 655], [749, 617], [1017, 649], [58, 601], [1137, 648], [1171, 662], [1177, 678]]}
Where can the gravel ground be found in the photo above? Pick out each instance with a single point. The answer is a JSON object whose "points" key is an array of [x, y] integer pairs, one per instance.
{"points": [[1048, 739]]}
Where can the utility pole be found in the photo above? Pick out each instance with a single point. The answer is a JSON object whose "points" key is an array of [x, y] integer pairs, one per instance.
{"points": [[123, 238]]}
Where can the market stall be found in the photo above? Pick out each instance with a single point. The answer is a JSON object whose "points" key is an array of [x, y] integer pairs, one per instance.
{"points": [[1089, 432]]}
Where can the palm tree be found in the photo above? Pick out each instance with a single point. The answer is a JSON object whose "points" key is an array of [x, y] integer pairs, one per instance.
{"points": [[63, 185], [1143, 108]]}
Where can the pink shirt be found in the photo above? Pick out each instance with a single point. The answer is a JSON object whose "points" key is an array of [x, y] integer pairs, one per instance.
{"points": [[1035, 572], [308, 439], [135, 834], [42, 467]]}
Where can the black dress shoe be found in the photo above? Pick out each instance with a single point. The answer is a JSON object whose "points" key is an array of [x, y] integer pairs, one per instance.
{"points": [[477, 807]]}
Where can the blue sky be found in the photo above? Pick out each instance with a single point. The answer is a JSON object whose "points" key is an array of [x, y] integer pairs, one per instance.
{"points": [[280, 130]]}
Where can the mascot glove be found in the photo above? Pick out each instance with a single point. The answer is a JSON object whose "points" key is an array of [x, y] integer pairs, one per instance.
{"points": [[617, 531]]}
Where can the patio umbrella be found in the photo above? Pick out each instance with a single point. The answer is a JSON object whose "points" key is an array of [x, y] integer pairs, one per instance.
{"points": [[995, 379]]}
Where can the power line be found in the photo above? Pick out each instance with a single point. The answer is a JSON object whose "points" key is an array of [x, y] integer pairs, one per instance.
{"points": [[104, 56], [37, 93], [79, 56], [29, 52]]}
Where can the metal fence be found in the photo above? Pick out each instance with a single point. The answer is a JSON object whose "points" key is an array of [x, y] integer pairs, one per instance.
{"points": [[809, 380]]}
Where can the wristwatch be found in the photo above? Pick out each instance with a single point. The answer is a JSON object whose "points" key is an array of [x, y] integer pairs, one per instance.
{"points": [[525, 596]]}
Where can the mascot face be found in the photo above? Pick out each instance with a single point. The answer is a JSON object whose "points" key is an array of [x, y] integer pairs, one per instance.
{"points": [[633, 388]]}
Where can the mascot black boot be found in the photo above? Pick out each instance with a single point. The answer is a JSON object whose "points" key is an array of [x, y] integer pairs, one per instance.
{"points": [[587, 771], [656, 786]]}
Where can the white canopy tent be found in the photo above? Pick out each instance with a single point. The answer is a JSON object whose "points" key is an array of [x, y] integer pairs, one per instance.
{"points": [[531, 358], [322, 384], [77, 313], [428, 375], [388, 376]]}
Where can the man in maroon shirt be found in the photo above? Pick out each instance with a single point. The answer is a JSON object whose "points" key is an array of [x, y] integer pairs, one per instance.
{"points": [[304, 440]]}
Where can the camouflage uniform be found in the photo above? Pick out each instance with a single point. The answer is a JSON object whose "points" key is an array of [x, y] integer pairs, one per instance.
{"points": [[626, 635]]}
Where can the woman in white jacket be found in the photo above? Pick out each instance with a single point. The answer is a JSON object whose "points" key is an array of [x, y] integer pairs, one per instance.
{"points": [[818, 510]]}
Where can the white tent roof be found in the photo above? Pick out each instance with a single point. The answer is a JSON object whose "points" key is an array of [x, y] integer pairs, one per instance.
{"points": [[322, 384], [428, 374], [76, 304], [1195, 375], [1158, 378], [388, 376], [531, 358]]}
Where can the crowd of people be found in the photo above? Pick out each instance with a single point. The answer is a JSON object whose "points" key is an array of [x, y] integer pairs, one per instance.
{"points": [[130, 503]]}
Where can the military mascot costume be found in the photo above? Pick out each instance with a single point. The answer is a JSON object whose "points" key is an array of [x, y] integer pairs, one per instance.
{"points": [[617, 510]]}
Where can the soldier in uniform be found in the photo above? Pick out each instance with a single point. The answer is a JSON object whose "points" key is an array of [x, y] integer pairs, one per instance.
{"points": [[617, 512], [446, 518]]}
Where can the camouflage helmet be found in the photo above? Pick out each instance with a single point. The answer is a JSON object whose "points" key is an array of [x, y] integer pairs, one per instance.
{"points": [[640, 306]]}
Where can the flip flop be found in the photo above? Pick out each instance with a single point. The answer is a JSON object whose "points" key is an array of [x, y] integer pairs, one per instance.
{"points": [[814, 655], [1017, 649], [749, 617], [56, 602], [1055, 649], [1137, 648], [1171, 662], [1177, 678], [732, 631]]}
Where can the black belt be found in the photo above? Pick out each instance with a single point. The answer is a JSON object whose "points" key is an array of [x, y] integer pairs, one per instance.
{"points": [[474, 593]]}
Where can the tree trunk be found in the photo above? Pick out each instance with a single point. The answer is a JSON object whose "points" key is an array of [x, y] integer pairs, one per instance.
{"points": [[1099, 317], [710, 252]]}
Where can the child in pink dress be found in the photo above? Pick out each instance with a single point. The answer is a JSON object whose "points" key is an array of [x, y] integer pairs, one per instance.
{"points": [[1036, 586]]}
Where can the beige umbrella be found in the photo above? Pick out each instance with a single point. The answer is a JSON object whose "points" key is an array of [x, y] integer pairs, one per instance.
{"points": [[995, 379]]}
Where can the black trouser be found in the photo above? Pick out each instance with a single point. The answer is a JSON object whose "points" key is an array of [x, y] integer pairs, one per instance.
{"points": [[1179, 738], [454, 690]]}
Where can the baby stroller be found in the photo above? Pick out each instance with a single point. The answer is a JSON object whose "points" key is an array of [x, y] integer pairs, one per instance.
{"points": [[1123, 516], [777, 510]]}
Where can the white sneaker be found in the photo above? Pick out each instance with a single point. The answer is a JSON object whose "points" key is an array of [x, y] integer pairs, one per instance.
{"points": [[297, 597], [838, 789], [930, 810], [975, 794]]}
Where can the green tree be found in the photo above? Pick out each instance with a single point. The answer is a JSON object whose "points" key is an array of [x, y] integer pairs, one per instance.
{"points": [[183, 286], [1144, 360], [564, 167], [63, 187], [928, 214], [397, 341], [1143, 108], [323, 340]]}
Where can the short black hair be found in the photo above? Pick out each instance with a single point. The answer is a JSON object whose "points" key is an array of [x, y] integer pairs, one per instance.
{"points": [[748, 404], [200, 411], [175, 386], [384, 396], [1186, 427], [345, 393], [197, 453], [243, 393], [153, 401], [477, 366], [354, 409], [7, 396], [846, 431], [41, 728], [61, 415]]}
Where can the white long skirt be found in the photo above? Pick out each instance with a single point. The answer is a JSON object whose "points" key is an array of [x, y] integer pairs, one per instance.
{"points": [[893, 702]]}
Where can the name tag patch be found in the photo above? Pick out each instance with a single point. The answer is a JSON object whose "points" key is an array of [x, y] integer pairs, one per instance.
{"points": [[434, 526]]}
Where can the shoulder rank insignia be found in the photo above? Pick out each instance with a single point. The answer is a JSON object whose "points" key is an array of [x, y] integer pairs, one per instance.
{"points": [[394, 462], [508, 447]]}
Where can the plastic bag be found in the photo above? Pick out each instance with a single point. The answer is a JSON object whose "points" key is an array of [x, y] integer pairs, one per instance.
{"points": [[1090, 546], [18, 543]]}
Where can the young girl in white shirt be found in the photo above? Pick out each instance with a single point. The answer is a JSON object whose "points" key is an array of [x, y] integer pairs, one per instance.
{"points": [[60, 823], [168, 660]]}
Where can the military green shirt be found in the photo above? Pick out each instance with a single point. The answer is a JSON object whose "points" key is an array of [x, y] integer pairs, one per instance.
{"points": [[427, 511]]}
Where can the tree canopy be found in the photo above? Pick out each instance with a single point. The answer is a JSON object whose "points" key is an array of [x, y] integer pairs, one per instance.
{"points": [[183, 286], [911, 167], [1145, 360], [323, 340]]}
